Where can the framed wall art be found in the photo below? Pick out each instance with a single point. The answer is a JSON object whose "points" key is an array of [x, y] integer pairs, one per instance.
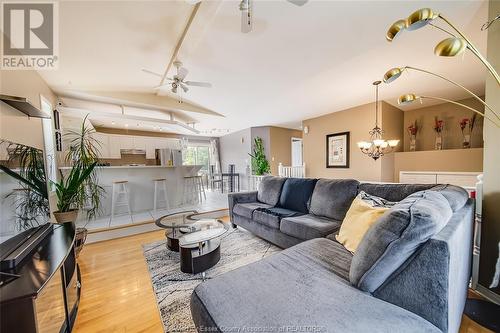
{"points": [[337, 150]]}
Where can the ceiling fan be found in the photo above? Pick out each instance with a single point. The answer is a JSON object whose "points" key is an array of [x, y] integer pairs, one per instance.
{"points": [[178, 80], [245, 7]]}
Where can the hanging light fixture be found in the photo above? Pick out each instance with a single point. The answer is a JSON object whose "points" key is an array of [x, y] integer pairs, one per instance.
{"points": [[377, 146]]}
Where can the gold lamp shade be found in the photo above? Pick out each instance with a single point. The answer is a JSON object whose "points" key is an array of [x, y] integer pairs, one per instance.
{"points": [[392, 74], [394, 29], [407, 99], [420, 18], [450, 47]]}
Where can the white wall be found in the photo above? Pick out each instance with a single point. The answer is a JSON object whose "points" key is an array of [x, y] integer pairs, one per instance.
{"points": [[234, 149]]}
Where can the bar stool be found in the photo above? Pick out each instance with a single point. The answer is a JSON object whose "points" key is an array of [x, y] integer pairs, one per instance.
{"points": [[120, 196], [194, 190], [160, 188]]}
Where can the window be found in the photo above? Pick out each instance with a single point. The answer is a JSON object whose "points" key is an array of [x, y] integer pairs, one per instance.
{"points": [[197, 155], [48, 142]]}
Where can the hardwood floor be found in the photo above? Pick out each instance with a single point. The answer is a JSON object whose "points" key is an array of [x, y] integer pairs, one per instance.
{"points": [[117, 295]]}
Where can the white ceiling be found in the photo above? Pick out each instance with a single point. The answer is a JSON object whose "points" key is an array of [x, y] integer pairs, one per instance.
{"points": [[298, 63]]}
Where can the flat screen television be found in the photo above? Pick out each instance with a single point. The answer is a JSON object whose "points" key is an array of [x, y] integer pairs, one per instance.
{"points": [[24, 204]]}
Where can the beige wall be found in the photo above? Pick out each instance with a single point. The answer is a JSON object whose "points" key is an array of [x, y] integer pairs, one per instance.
{"points": [[14, 125], [451, 114], [358, 121], [281, 146], [491, 209], [392, 120], [453, 160]]}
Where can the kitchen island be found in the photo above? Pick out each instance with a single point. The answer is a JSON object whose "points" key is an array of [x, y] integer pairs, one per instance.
{"points": [[141, 185]]}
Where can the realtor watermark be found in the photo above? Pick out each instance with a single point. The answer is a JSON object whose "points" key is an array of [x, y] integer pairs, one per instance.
{"points": [[30, 35]]}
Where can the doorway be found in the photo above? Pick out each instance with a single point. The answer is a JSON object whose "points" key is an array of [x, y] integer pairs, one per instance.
{"points": [[296, 152]]}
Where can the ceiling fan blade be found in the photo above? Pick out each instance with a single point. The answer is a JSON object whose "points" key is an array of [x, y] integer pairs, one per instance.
{"points": [[246, 16], [151, 72], [298, 2], [198, 84], [182, 72], [184, 87]]}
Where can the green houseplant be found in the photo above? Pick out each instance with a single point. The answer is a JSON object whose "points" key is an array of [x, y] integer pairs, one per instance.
{"points": [[260, 164], [32, 207], [68, 192], [83, 152]]}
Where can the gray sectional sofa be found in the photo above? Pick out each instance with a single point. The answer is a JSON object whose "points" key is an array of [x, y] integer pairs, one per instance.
{"points": [[409, 273]]}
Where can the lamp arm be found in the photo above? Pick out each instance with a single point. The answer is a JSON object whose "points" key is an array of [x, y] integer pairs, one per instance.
{"points": [[462, 105], [474, 50], [456, 84], [442, 29]]}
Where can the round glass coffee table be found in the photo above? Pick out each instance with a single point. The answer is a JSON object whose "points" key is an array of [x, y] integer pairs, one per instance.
{"points": [[200, 249], [180, 223], [176, 224]]}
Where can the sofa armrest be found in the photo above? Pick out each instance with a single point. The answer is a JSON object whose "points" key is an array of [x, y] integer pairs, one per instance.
{"points": [[240, 197]]}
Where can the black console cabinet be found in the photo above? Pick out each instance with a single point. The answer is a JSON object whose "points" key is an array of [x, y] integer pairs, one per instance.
{"points": [[45, 297]]}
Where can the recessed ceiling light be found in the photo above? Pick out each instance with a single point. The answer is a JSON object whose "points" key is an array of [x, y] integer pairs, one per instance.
{"points": [[112, 123], [126, 125]]}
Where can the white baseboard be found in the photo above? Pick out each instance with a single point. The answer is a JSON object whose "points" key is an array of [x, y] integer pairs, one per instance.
{"points": [[129, 230]]}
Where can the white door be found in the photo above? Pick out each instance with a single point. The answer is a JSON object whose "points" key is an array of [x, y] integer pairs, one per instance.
{"points": [[296, 152]]}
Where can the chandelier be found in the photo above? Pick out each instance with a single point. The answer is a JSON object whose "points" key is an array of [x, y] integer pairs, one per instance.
{"points": [[377, 146]]}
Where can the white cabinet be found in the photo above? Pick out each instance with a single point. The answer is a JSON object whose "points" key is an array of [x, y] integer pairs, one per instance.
{"points": [[150, 147], [102, 141], [417, 178], [139, 142], [114, 146], [467, 180]]}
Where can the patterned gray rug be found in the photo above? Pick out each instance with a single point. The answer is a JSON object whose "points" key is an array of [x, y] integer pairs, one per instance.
{"points": [[173, 288]]}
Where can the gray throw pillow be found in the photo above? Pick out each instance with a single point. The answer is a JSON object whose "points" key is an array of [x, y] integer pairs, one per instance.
{"points": [[396, 236], [270, 190], [332, 197]]}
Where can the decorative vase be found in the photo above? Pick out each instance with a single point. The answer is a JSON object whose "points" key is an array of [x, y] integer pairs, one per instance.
{"points": [[438, 145], [63, 217], [466, 141], [413, 142]]}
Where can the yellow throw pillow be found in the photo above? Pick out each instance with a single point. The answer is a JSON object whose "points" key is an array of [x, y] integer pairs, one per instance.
{"points": [[359, 218]]}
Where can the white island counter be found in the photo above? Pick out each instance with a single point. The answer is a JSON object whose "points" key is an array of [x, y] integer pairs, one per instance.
{"points": [[141, 184]]}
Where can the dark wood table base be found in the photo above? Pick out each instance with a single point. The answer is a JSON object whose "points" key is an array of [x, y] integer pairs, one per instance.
{"points": [[172, 243], [197, 260]]}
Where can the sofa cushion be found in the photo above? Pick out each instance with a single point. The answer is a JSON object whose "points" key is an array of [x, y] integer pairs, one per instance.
{"points": [[299, 288], [296, 194], [247, 209], [396, 236], [270, 190], [308, 226], [332, 197], [272, 216]]}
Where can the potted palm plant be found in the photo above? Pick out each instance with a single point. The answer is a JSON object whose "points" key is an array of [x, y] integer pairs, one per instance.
{"points": [[68, 192], [260, 164]]}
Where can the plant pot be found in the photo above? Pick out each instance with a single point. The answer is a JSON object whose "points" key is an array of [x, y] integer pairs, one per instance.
{"points": [[64, 217]]}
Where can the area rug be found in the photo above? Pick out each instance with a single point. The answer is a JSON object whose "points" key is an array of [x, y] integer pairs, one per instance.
{"points": [[173, 288]]}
